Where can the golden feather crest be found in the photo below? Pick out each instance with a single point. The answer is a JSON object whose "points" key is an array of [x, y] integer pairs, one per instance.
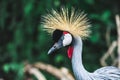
{"points": [[75, 22]]}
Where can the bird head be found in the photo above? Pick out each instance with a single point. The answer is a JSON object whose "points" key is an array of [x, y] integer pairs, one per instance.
{"points": [[61, 39], [64, 25]]}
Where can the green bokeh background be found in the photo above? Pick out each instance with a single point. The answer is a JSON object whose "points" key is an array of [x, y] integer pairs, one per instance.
{"points": [[22, 38]]}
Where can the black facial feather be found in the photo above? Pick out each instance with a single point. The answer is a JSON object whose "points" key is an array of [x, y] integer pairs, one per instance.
{"points": [[56, 35]]}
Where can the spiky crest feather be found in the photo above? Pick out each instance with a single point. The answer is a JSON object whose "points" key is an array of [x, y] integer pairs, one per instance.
{"points": [[75, 22]]}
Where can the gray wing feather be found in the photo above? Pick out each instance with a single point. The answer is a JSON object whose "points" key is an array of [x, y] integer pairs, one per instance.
{"points": [[107, 73]]}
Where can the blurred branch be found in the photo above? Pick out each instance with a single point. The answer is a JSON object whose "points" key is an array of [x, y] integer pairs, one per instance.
{"points": [[112, 46], [107, 35], [118, 40], [66, 72], [108, 53], [62, 74], [34, 71]]}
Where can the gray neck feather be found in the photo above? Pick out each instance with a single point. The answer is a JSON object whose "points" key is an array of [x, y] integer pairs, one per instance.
{"points": [[78, 68]]}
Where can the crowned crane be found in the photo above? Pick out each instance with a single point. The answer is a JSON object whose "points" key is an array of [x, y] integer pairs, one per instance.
{"points": [[69, 28]]}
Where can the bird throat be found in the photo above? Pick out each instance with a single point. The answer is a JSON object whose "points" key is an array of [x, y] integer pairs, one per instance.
{"points": [[70, 51]]}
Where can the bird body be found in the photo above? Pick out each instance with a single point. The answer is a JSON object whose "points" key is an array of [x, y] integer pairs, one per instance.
{"points": [[104, 73], [69, 28]]}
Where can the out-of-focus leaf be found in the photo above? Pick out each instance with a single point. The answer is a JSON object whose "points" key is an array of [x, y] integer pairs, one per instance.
{"points": [[28, 7], [6, 68], [20, 72], [95, 16], [59, 58], [57, 2], [95, 38], [11, 48], [18, 36], [90, 2], [3, 14], [13, 66], [105, 16]]}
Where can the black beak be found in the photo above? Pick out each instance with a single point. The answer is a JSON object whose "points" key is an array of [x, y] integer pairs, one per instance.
{"points": [[55, 47]]}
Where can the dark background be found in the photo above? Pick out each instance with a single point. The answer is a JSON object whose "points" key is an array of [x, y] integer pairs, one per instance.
{"points": [[22, 38]]}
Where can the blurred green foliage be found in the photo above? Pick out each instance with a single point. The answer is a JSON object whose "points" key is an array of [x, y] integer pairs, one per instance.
{"points": [[22, 38]]}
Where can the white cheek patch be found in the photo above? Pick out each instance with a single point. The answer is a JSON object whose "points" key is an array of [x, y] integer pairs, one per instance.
{"points": [[67, 39]]}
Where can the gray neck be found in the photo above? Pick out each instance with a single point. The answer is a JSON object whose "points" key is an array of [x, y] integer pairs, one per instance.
{"points": [[78, 68]]}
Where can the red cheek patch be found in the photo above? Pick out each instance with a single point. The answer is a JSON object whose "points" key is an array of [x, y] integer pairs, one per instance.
{"points": [[70, 52]]}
